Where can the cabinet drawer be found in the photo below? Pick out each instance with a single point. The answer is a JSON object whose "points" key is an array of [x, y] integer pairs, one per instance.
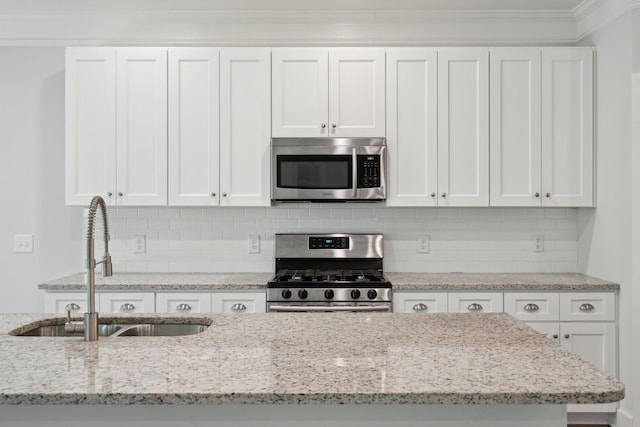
{"points": [[143, 302], [587, 307], [183, 302], [532, 306], [240, 302], [480, 302], [420, 302], [57, 303]]}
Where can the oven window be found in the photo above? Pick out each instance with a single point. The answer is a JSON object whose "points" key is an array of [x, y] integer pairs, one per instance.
{"points": [[332, 172]]}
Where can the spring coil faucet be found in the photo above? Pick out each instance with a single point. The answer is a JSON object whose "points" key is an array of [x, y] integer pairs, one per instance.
{"points": [[91, 317]]}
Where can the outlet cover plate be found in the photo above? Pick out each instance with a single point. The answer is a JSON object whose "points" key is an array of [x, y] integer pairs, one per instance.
{"points": [[423, 244], [253, 244], [23, 243]]}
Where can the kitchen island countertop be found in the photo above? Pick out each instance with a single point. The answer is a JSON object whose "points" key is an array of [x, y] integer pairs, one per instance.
{"points": [[401, 281], [321, 358]]}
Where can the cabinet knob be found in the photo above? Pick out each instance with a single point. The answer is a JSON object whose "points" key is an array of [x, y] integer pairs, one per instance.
{"points": [[183, 307], [72, 306], [537, 195], [586, 307], [547, 195], [474, 307], [127, 307], [333, 126], [238, 307], [433, 194], [567, 336], [443, 195], [555, 336], [324, 126], [213, 194], [420, 307], [531, 307], [224, 194], [120, 194], [109, 194]]}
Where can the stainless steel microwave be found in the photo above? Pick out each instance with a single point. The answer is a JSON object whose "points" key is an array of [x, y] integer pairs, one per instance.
{"points": [[328, 169]]}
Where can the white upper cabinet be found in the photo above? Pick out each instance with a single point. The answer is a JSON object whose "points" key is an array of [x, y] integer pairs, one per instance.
{"points": [[141, 125], [463, 127], [567, 126], [245, 131], [194, 127], [116, 143], [515, 127], [412, 126], [541, 127], [90, 125], [328, 92]]}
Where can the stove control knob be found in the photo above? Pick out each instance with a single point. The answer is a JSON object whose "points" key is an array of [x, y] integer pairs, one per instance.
{"points": [[286, 293], [302, 293], [328, 294], [372, 293], [355, 293]]}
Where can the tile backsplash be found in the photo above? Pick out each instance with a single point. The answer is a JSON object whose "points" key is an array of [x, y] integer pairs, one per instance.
{"points": [[207, 239]]}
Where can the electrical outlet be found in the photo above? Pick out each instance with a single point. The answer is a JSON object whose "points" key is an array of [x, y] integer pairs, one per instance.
{"points": [[538, 243], [139, 244], [253, 244], [422, 244], [23, 243]]}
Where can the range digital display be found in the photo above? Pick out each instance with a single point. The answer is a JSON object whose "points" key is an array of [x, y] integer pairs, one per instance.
{"points": [[328, 243]]}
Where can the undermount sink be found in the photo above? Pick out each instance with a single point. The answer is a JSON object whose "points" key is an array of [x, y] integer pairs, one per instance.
{"points": [[138, 329]]}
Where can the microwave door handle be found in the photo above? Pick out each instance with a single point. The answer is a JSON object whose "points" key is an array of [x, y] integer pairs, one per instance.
{"points": [[354, 169]]}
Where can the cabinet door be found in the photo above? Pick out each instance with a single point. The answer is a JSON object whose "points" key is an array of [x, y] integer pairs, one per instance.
{"points": [[245, 127], [357, 92], [549, 329], [90, 125], [412, 126], [239, 302], [300, 92], [142, 302], [172, 302], [194, 126], [61, 302], [595, 342], [477, 302], [567, 126], [463, 127], [420, 302], [142, 126], [515, 127]]}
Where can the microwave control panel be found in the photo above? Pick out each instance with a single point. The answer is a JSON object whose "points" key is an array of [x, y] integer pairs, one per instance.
{"points": [[368, 170]]}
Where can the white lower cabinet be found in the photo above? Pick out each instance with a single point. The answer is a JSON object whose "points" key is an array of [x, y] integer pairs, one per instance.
{"points": [[129, 302], [420, 302], [179, 302], [477, 302], [239, 302], [60, 302]]}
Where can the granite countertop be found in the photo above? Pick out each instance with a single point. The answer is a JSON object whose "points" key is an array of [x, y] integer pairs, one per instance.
{"points": [[276, 358], [400, 281]]}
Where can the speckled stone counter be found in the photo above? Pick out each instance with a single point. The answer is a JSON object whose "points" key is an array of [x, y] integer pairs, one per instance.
{"points": [[321, 358], [163, 281], [498, 281], [400, 281]]}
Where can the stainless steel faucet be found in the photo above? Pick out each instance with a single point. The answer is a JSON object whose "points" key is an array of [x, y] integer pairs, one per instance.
{"points": [[91, 317]]}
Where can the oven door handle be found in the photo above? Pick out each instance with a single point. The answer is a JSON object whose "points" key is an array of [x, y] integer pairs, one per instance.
{"points": [[354, 173], [299, 308]]}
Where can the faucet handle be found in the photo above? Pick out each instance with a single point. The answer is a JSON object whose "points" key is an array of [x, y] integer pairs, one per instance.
{"points": [[107, 268]]}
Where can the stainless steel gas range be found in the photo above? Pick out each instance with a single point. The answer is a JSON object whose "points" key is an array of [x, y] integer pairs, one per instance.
{"points": [[329, 272]]}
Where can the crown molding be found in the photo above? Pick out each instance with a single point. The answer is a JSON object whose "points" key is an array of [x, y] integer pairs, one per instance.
{"points": [[284, 27], [591, 15]]}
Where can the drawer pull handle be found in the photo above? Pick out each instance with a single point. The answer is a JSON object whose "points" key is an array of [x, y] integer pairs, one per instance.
{"points": [[72, 306], [531, 307], [183, 307], [474, 307], [587, 307], [127, 307], [238, 307], [420, 307]]}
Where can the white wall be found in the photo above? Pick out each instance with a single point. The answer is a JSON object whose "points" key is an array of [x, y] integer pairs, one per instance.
{"points": [[32, 176], [604, 238]]}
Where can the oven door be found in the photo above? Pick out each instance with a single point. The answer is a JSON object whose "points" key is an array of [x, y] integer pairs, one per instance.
{"points": [[298, 307]]}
